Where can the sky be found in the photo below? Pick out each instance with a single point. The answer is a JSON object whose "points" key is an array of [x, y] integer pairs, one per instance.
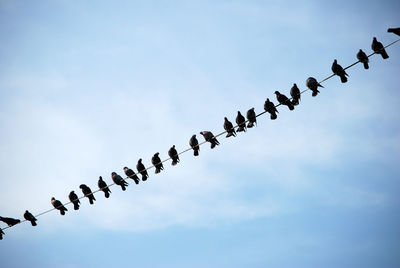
{"points": [[88, 87]]}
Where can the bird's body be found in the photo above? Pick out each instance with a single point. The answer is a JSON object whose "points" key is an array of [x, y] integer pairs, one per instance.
{"points": [[241, 122], [208, 136], [173, 153], [269, 107], [142, 170], [296, 95], [283, 100], [251, 116], [194, 143], [103, 186], [74, 200], [394, 30], [118, 180], [88, 193], [156, 161], [131, 174], [313, 85], [10, 221], [29, 217], [363, 58], [228, 126], [58, 205], [378, 48], [339, 71]]}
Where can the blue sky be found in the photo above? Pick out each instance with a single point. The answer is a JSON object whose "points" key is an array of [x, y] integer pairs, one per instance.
{"points": [[90, 87]]}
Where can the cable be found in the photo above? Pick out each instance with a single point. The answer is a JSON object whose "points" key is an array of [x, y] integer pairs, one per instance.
{"points": [[190, 148]]}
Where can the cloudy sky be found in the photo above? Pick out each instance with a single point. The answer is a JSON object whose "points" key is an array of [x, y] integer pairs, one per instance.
{"points": [[88, 87]]}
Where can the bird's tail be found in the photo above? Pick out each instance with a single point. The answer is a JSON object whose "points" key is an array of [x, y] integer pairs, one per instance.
{"points": [[384, 54], [230, 134], [123, 187], [273, 116], [174, 162], [106, 194], [241, 129], [366, 66], [315, 92], [295, 101], [91, 201], [290, 105], [343, 78], [196, 152], [76, 206], [33, 223], [158, 170], [250, 125], [62, 212]]}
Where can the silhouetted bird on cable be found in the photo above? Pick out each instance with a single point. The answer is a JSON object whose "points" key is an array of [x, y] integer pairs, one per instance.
{"points": [[378, 48], [1, 234], [142, 170], [156, 161], [228, 126], [241, 122], [339, 71], [10, 221], [174, 155], [74, 200], [282, 99], [208, 136], [29, 217], [269, 106], [313, 85], [131, 174], [118, 180], [88, 193], [363, 58], [296, 95], [103, 186], [251, 116], [394, 30], [194, 143], [58, 205]]}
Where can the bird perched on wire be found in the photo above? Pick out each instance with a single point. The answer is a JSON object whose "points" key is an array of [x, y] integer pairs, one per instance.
{"points": [[29, 217], [241, 122], [58, 205], [173, 153], [296, 95], [74, 200], [103, 186], [283, 100], [378, 48], [269, 107], [118, 180], [194, 143], [142, 170], [228, 126], [394, 30], [156, 161], [88, 193], [339, 71], [10, 221], [131, 174], [313, 85], [1, 234], [208, 136], [251, 116]]}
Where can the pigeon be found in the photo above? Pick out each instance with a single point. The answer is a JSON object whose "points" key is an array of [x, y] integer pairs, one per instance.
{"points": [[296, 95], [251, 116], [142, 170], [58, 205], [156, 161], [208, 136], [229, 128], [103, 186], [378, 48], [74, 200], [1, 234], [131, 174], [339, 71], [241, 122], [269, 106], [194, 143], [10, 221], [174, 155], [394, 30], [88, 193], [363, 58], [282, 99], [29, 217], [313, 85], [118, 180]]}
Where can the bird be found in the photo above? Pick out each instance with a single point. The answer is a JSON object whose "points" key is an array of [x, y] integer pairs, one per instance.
{"points": [[103, 186], [10, 221], [74, 200], [296, 95], [156, 161], [174, 155], [228, 126], [363, 58], [58, 205], [118, 180], [394, 30], [88, 193], [1, 234], [131, 174], [269, 106], [378, 48], [339, 71], [282, 99], [29, 217], [142, 170], [194, 143], [208, 136], [241, 122], [313, 85], [251, 116]]}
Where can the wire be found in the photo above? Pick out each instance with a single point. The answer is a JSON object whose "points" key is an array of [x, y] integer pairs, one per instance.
{"points": [[190, 148]]}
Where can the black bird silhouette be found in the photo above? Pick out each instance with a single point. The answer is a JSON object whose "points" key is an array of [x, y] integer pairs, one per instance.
{"points": [[58, 205], [313, 85], [88, 193], [74, 200], [10, 221], [296, 95], [118, 180], [1, 234], [339, 71], [269, 106], [378, 48], [29, 217], [251, 116], [363, 58], [103, 186], [194, 143], [228, 126], [174, 155], [241, 122], [208, 136], [142, 170], [156, 161], [282, 99], [394, 30], [131, 174]]}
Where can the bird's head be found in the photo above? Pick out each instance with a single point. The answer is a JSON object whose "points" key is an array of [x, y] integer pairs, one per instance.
{"points": [[100, 177], [156, 154], [140, 160], [53, 199], [226, 119], [173, 146], [112, 174], [277, 92], [125, 168], [82, 186], [374, 38]]}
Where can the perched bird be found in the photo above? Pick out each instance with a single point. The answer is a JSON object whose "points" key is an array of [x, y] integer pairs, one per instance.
{"points": [[1, 234], [269, 106], [131, 174], [363, 58], [74, 199], [10, 221], [378, 48], [142, 170], [29, 217], [282, 99], [339, 71], [208, 136], [103, 186], [296, 95], [88, 193], [58, 205], [394, 30], [118, 180], [194, 143], [174, 155], [228, 126], [251, 116], [241, 122], [156, 161], [313, 85]]}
